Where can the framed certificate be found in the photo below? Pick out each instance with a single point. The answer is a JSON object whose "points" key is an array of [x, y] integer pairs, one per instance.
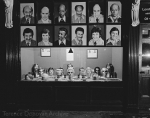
{"points": [[92, 53], [45, 52]]}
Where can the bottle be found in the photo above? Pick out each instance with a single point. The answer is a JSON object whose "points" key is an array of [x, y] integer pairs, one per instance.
{"points": [[115, 75], [108, 75]]}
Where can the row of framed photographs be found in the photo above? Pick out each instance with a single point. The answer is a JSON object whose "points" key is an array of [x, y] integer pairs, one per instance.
{"points": [[70, 12], [74, 35]]}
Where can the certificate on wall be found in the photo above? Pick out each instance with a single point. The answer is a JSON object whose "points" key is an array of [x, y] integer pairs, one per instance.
{"points": [[92, 53], [45, 52], [69, 55]]}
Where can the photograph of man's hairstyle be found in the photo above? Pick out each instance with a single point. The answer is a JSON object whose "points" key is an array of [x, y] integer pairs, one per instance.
{"points": [[31, 9], [78, 6], [44, 29], [28, 36], [28, 30], [79, 35], [78, 12], [96, 12], [59, 28], [27, 13], [79, 29], [111, 28], [113, 5], [114, 12], [96, 29], [62, 36], [61, 12], [45, 13], [114, 29], [113, 35], [61, 4], [63, 29]]}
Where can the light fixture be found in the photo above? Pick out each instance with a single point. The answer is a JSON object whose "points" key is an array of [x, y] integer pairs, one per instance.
{"points": [[70, 51], [146, 55]]}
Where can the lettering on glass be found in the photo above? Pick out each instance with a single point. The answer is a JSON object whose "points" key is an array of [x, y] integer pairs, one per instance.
{"points": [[145, 12]]}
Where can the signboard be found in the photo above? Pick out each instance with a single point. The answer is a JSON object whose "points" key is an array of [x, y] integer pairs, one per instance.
{"points": [[145, 12]]}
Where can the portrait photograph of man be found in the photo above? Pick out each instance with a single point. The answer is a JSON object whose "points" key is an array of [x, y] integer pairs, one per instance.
{"points": [[96, 35], [78, 12], [28, 36], [27, 13], [79, 35], [114, 12], [96, 12], [62, 36], [45, 35], [45, 13], [61, 11], [113, 35]]}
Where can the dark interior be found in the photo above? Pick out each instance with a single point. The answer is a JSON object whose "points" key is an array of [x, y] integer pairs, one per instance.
{"points": [[130, 95]]}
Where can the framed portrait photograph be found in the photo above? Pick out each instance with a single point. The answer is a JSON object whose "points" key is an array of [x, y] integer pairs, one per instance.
{"points": [[96, 12], [65, 29], [45, 35], [78, 7], [28, 36], [92, 53], [44, 13], [79, 35], [114, 17], [96, 35], [61, 13], [113, 35], [27, 13], [45, 52]]}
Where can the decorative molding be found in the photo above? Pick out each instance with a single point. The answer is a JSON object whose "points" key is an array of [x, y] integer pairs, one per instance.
{"points": [[135, 13], [8, 13]]}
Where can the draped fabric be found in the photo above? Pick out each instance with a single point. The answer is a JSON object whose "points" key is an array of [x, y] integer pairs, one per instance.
{"points": [[10, 42], [133, 65]]}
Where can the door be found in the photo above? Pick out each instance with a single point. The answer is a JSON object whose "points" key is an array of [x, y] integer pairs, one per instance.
{"points": [[144, 67]]}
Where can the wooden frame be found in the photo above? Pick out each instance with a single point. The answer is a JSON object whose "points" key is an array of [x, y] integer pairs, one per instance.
{"points": [[92, 53], [45, 52]]}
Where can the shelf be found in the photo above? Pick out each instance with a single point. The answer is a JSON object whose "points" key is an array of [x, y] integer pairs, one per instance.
{"points": [[146, 75]]}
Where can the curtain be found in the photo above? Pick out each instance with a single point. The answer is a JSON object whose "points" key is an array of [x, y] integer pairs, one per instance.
{"points": [[11, 37], [133, 66]]}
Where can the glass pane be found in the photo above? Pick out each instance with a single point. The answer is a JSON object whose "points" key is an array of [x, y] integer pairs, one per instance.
{"points": [[145, 61], [146, 33], [111, 55], [146, 48]]}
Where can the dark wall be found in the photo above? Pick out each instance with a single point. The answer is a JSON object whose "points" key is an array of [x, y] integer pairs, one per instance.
{"points": [[13, 67]]}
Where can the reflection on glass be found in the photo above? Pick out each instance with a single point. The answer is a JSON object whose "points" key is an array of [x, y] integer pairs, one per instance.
{"points": [[145, 61], [145, 48], [61, 72], [146, 33]]}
